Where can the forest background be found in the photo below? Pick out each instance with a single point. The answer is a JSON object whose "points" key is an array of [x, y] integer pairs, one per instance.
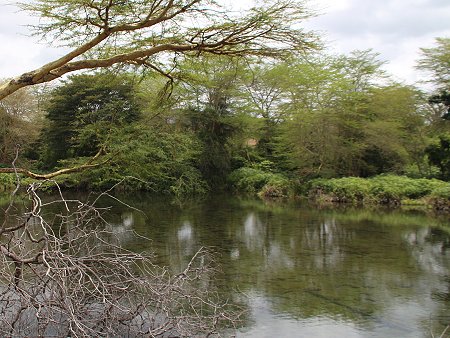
{"points": [[277, 126]]}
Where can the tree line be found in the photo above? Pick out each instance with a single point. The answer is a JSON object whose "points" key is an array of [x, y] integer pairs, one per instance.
{"points": [[178, 95], [317, 116]]}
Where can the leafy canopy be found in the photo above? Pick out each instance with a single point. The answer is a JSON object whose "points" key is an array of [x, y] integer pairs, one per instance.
{"points": [[84, 113], [102, 33]]}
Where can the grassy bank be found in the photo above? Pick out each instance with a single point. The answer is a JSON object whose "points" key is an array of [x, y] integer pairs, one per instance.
{"points": [[390, 190], [384, 189]]}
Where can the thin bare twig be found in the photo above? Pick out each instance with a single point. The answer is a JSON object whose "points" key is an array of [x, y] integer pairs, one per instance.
{"points": [[71, 277]]}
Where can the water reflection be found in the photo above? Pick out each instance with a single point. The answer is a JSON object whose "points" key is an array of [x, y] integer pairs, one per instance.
{"points": [[185, 232], [304, 272], [315, 273]]}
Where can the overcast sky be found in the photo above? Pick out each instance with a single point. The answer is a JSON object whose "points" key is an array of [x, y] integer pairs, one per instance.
{"points": [[394, 28]]}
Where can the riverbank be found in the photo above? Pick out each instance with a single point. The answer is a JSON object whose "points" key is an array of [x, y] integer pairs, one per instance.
{"points": [[387, 190], [384, 190]]}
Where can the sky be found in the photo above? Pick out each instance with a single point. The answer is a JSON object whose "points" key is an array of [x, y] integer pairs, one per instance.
{"points": [[396, 29]]}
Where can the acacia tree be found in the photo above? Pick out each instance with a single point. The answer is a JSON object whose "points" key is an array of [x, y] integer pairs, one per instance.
{"points": [[20, 121], [154, 34], [210, 109], [56, 278], [436, 61], [338, 122], [102, 33]]}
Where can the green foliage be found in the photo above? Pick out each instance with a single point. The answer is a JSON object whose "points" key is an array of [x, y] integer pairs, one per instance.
{"points": [[421, 170], [213, 128], [210, 92], [145, 160], [442, 192], [440, 198], [439, 155], [7, 182], [84, 112], [442, 98], [145, 24], [20, 125], [383, 189], [339, 123], [347, 189], [324, 117], [436, 61], [257, 181], [389, 189]]}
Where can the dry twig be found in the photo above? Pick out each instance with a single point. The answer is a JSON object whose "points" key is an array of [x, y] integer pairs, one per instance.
{"points": [[71, 277]]}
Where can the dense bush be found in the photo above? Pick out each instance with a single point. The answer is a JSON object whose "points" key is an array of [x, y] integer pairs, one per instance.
{"points": [[348, 189], [383, 189], [142, 159], [392, 189], [440, 198], [258, 181], [7, 182]]}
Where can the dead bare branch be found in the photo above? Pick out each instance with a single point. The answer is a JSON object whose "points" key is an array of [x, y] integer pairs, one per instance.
{"points": [[71, 277]]}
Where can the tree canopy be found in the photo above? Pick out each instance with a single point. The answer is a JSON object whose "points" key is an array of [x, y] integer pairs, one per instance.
{"points": [[103, 33], [436, 60], [84, 112]]}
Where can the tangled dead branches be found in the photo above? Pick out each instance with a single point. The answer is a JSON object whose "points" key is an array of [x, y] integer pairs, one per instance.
{"points": [[65, 275]]}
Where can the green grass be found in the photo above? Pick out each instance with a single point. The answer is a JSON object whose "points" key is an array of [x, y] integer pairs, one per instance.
{"points": [[383, 189]]}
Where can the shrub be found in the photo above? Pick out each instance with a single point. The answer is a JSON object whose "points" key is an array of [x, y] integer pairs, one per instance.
{"points": [[143, 160], [383, 189], [342, 190], [7, 182], [277, 186], [257, 181], [390, 189], [440, 198]]}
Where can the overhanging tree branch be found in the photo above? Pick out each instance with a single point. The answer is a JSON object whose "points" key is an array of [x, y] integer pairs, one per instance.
{"points": [[104, 33], [87, 165]]}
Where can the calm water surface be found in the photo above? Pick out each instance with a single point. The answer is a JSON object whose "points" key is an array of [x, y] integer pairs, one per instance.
{"points": [[306, 272]]}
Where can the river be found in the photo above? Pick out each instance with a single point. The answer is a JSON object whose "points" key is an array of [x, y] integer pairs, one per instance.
{"points": [[303, 271]]}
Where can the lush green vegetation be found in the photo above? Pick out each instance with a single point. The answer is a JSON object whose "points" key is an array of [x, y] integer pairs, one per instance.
{"points": [[334, 127], [384, 189], [258, 181]]}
